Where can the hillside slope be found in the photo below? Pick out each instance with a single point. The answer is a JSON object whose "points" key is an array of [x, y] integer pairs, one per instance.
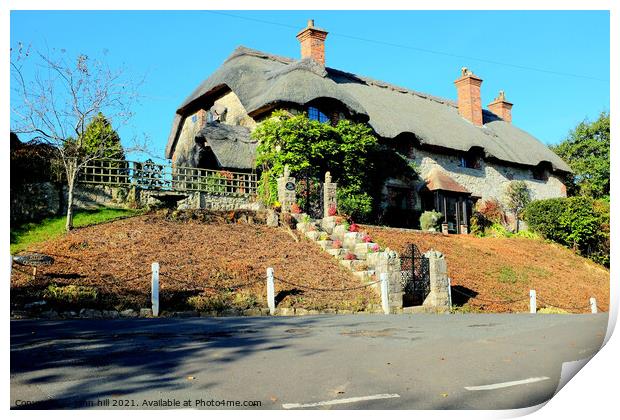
{"points": [[116, 259], [507, 268]]}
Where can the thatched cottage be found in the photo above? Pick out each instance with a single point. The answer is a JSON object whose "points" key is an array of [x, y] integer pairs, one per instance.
{"points": [[462, 151]]}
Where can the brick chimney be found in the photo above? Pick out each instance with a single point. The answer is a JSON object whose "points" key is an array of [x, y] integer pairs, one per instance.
{"points": [[312, 42], [468, 96], [501, 107]]}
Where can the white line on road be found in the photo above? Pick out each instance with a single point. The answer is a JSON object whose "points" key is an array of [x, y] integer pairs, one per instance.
{"points": [[341, 401], [506, 384]]}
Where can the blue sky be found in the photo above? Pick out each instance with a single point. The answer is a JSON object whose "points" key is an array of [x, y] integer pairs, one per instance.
{"points": [[422, 50]]}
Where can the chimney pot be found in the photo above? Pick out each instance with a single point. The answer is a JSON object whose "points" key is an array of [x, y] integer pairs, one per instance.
{"points": [[501, 107], [312, 42], [468, 96]]}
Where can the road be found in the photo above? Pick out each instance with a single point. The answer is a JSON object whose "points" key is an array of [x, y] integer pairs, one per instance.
{"points": [[473, 361]]}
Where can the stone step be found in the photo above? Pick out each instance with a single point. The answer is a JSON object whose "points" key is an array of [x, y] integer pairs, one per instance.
{"points": [[313, 234], [336, 252], [326, 244], [359, 265], [351, 239], [364, 247], [366, 276]]}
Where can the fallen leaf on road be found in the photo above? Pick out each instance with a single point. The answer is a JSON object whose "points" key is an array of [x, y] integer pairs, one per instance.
{"points": [[274, 399], [191, 378], [444, 394]]}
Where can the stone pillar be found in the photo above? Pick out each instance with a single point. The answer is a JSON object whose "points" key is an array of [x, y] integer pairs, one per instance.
{"points": [[329, 194], [388, 262], [444, 228], [439, 296], [464, 230], [286, 191]]}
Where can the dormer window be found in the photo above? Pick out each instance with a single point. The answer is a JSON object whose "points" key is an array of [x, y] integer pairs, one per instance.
{"points": [[316, 115], [539, 173], [469, 161]]}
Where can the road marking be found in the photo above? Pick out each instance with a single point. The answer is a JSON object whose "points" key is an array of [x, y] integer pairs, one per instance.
{"points": [[506, 384], [341, 401]]}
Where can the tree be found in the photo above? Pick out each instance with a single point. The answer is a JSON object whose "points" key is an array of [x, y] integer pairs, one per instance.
{"points": [[586, 150], [517, 198], [304, 144], [58, 101]]}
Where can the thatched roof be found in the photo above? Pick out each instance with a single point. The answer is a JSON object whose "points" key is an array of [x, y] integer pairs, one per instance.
{"points": [[261, 80], [231, 145]]}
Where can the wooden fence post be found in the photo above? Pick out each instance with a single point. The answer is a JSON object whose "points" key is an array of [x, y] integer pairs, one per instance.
{"points": [[593, 305], [155, 288], [271, 292], [532, 301], [385, 304]]}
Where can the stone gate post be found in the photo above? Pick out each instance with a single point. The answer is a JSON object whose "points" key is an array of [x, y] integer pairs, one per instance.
{"points": [[388, 262], [329, 194], [286, 191], [439, 296]]}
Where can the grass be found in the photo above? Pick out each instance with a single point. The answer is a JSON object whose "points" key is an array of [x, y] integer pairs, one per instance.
{"points": [[31, 233]]}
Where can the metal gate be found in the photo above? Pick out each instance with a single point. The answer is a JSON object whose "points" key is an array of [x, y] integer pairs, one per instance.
{"points": [[309, 190], [414, 276]]}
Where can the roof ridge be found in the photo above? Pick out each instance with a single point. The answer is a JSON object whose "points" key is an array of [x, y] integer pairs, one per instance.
{"points": [[242, 50]]}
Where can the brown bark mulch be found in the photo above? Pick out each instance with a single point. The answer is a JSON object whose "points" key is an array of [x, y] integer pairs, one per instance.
{"points": [[505, 269], [196, 258]]}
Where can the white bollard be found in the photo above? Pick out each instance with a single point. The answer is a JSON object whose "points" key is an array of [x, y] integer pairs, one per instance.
{"points": [[271, 302], [532, 301], [593, 305], [449, 293], [155, 288], [385, 304]]}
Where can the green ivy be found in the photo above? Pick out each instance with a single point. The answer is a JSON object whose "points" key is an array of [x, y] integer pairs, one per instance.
{"points": [[344, 150]]}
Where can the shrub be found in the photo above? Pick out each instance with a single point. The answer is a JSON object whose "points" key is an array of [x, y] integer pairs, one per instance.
{"points": [[355, 203], [580, 223], [492, 210], [497, 230], [429, 220], [71, 294]]}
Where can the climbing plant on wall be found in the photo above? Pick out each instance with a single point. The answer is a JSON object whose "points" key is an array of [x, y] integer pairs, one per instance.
{"points": [[301, 143]]}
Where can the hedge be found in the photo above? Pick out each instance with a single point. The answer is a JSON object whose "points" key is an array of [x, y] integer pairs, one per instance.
{"points": [[580, 223]]}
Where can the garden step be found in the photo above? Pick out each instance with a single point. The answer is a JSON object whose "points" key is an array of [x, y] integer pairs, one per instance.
{"points": [[347, 263], [336, 252], [326, 244], [351, 239], [338, 232], [364, 247], [359, 265], [313, 234], [328, 224], [364, 275]]}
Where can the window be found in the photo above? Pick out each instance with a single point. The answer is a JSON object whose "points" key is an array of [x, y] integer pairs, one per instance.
{"points": [[469, 161], [315, 114], [539, 173]]}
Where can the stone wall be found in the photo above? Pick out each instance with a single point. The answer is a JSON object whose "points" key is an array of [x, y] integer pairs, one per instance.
{"points": [[33, 202], [201, 200], [491, 180], [235, 115]]}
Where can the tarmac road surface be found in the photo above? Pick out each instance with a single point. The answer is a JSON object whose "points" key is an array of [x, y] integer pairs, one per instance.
{"points": [[473, 361]]}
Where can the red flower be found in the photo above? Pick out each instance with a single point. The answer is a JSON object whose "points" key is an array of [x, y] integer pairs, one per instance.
{"points": [[367, 238], [337, 244], [331, 210], [349, 256], [354, 228], [295, 208]]}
